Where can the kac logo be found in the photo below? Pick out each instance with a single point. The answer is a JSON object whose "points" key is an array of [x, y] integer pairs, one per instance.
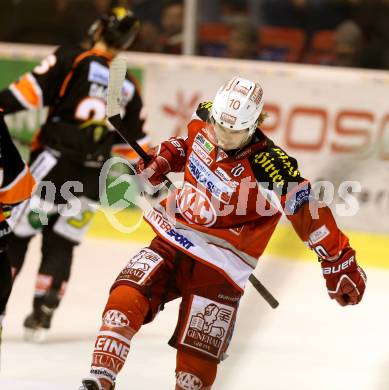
{"points": [[195, 206]]}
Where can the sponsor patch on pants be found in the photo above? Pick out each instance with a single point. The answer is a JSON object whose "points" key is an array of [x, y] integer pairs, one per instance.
{"points": [[208, 326], [141, 266]]}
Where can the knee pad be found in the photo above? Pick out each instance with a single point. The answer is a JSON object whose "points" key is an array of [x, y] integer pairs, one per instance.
{"points": [[194, 372], [55, 246], [126, 306], [55, 268]]}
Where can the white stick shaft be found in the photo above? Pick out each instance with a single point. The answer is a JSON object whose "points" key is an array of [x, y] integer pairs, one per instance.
{"points": [[117, 74]]}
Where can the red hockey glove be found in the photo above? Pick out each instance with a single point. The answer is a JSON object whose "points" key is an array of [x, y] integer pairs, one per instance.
{"points": [[169, 156], [345, 279], [158, 167]]}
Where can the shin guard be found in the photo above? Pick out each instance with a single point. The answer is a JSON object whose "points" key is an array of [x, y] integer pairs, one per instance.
{"points": [[122, 318]]}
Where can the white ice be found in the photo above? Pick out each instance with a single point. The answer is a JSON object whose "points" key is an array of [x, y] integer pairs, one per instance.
{"points": [[307, 343]]}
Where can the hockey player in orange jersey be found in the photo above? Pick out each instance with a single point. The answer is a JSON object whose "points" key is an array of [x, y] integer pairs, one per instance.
{"points": [[210, 234], [16, 185], [71, 147]]}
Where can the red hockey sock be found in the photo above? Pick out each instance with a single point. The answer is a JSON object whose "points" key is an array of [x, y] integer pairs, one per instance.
{"points": [[122, 318], [194, 372]]}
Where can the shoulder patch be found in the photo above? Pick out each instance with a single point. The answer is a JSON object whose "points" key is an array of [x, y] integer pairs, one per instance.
{"points": [[203, 110], [98, 73], [275, 167]]}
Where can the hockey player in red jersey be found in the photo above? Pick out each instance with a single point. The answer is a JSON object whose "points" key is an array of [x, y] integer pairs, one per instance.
{"points": [[16, 185], [72, 145], [210, 234]]}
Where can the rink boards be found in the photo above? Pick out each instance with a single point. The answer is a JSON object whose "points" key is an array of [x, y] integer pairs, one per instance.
{"points": [[372, 248]]}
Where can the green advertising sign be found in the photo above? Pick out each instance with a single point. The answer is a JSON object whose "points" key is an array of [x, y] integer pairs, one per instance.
{"points": [[23, 124]]}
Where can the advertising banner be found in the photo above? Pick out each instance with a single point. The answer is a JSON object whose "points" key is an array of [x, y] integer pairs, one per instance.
{"points": [[334, 121]]}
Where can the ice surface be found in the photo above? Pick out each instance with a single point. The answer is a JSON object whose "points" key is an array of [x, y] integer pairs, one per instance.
{"points": [[307, 343]]}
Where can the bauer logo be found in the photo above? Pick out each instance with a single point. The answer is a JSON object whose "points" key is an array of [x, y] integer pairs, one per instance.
{"points": [[116, 318], [340, 267], [209, 326], [141, 266]]}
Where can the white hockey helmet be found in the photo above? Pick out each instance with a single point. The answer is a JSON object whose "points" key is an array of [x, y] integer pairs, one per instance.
{"points": [[236, 108], [235, 113]]}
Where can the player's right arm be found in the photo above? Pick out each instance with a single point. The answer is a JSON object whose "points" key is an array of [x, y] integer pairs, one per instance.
{"points": [[168, 156], [41, 86]]}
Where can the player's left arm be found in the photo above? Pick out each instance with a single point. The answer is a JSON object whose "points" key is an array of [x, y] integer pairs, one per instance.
{"points": [[314, 223]]}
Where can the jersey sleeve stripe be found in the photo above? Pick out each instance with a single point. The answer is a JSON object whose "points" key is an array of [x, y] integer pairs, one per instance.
{"points": [[19, 189], [27, 91]]}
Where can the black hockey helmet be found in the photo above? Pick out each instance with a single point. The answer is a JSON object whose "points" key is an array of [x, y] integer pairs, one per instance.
{"points": [[119, 28]]}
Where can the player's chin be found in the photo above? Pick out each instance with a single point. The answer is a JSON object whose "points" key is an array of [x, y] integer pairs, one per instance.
{"points": [[227, 147]]}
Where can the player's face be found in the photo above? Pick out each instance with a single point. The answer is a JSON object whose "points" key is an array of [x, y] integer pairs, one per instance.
{"points": [[226, 138]]}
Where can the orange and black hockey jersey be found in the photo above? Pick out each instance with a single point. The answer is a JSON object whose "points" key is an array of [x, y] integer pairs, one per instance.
{"points": [[73, 83], [16, 181]]}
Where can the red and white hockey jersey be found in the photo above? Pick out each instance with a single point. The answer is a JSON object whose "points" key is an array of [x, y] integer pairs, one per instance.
{"points": [[230, 203]]}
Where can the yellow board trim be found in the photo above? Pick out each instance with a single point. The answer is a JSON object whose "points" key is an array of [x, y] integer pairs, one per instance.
{"points": [[372, 248]]}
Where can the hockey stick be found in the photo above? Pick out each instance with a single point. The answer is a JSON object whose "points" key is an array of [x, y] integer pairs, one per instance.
{"points": [[117, 74]]}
